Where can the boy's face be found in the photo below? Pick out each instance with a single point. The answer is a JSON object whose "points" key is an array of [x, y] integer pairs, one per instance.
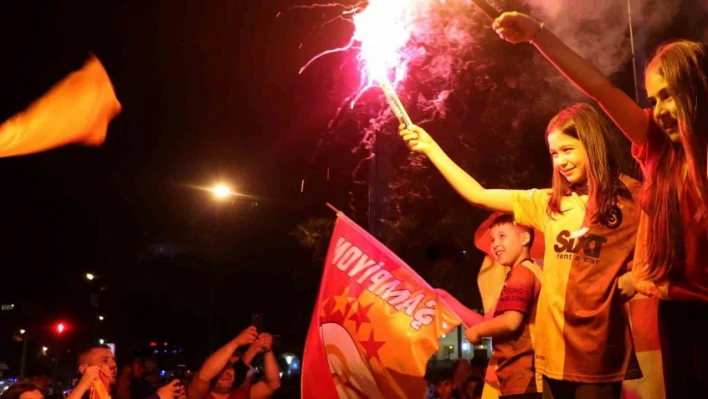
{"points": [[444, 389], [508, 242]]}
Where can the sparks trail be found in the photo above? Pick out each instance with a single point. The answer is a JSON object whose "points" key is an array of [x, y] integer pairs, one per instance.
{"points": [[347, 9], [358, 95], [334, 50], [338, 17], [390, 36], [327, 5], [341, 107], [426, 39]]}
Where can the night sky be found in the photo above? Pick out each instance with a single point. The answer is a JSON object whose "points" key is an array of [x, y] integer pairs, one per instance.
{"points": [[210, 92]]}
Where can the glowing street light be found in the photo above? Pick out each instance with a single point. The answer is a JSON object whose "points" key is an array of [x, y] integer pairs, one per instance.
{"points": [[101, 318], [44, 350], [90, 277], [22, 331], [221, 191], [101, 341]]}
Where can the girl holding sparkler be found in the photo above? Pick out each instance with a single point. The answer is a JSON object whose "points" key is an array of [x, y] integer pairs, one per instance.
{"points": [[588, 218], [669, 141]]}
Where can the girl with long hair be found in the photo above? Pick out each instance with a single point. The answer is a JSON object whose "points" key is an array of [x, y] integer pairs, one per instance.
{"points": [[670, 143], [589, 223]]}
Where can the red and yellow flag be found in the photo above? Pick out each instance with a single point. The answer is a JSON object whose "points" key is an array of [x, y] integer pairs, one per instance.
{"points": [[375, 324], [76, 110], [100, 388]]}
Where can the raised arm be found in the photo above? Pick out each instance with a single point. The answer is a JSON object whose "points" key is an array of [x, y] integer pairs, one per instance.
{"points": [[89, 375], [271, 381], [216, 363], [419, 140], [627, 115]]}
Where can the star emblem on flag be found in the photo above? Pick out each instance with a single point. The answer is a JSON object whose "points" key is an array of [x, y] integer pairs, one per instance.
{"points": [[361, 315], [371, 346], [342, 304]]}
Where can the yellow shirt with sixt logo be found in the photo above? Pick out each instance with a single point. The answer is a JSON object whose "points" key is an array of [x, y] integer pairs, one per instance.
{"points": [[583, 333]]}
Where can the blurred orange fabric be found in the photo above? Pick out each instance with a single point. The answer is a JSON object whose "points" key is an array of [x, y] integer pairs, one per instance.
{"points": [[76, 110]]}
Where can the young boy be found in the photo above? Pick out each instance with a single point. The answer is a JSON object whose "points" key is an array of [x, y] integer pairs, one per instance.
{"points": [[515, 311]]}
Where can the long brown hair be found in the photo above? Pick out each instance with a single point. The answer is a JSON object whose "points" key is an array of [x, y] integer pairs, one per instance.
{"points": [[583, 122], [683, 64]]}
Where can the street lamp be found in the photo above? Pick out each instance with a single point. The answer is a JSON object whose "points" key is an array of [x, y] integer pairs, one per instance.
{"points": [[221, 191], [101, 318], [90, 277], [22, 331]]}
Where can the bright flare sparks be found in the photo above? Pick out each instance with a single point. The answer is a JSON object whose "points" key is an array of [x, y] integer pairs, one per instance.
{"points": [[381, 32], [393, 36], [383, 29]]}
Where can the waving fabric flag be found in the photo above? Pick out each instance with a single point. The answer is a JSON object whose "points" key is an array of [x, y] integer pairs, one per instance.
{"points": [[375, 324], [76, 110], [100, 388]]}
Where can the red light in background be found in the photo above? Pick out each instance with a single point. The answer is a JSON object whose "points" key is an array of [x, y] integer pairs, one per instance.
{"points": [[153, 344]]}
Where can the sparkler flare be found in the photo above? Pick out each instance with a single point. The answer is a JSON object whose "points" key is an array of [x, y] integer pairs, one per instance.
{"points": [[381, 32], [395, 103], [391, 36], [490, 11], [383, 29]]}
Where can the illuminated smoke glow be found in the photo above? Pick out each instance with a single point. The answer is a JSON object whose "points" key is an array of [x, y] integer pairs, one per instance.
{"points": [[421, 46], [391, 36], [443, 57]]}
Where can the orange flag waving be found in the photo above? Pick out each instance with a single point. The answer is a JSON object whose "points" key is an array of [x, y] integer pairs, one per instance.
{"points": [[375, 324], [76, 110]]}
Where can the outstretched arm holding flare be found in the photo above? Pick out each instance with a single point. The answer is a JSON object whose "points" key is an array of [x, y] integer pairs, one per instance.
{"points": [[76, 110], [419, 140], [515, 27]]}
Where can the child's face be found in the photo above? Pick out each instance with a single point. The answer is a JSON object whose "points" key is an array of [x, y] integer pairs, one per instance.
{"points": [[663, 104], [507, 243], [569, 156], [444, 389]]}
